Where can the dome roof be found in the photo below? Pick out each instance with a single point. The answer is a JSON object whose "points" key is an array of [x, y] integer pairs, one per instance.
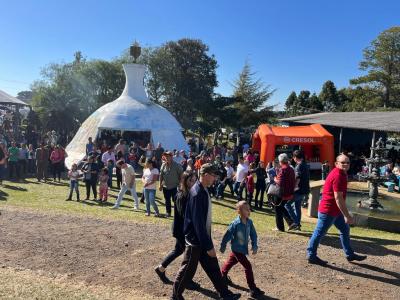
{"points": [[132, 111]]}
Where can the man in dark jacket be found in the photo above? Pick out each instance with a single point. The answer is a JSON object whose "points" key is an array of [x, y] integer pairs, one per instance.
{"points": [[199, 244], [301, 191]]}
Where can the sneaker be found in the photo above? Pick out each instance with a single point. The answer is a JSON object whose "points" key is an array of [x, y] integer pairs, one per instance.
{"points": [[317, 261], [167, 215], [356, 257], [162, 276], [227, 279], [68, 199], [136, 208], [292, 226], [147, 214], [231, 296], [277, 229], [256, 292], [193, 286], [114, 207]]}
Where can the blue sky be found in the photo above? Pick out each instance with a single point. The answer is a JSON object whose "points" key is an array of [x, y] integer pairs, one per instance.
{"points": [[292, 45]]}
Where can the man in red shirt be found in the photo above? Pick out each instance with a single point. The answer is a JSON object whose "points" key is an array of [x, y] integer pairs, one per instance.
{"points": [[332, 210]]}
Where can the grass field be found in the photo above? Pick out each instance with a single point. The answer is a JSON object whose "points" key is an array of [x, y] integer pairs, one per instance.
{"points": [[50, 197]]}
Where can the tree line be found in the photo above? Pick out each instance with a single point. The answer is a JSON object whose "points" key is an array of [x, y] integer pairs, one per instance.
{"points": [[181, 76], [378, 89]]}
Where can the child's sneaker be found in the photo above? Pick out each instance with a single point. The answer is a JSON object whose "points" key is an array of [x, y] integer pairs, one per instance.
{"points": [[256, 292]]}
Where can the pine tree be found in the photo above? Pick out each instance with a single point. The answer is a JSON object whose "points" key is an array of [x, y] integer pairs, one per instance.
{"points": [[251, 96]]}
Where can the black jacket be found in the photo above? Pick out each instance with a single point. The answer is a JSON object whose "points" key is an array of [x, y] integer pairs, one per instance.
{"points": [[195, 227], [179, 216], [303, 173]]}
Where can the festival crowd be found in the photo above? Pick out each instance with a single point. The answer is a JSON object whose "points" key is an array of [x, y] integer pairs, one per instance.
{"points": [[188, 182]]}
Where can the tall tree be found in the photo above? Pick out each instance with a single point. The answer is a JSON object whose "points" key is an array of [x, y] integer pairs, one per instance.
{"points": [[315, 105], [361, 99], [251, 96], [25, 96], [382, 62], [329, 96], [182, 78], [291, 103]]}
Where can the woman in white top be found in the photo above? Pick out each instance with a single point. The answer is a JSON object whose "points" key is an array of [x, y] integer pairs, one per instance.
{"points": [[149, 179]]}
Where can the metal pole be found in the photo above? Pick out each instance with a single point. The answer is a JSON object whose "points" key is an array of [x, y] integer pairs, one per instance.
{"points": [[340, 140], [371, 155], [372, 144]]}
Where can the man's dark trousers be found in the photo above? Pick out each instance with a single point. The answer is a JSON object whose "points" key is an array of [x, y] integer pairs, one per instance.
{"points": [[168, 195], [193, 255]]}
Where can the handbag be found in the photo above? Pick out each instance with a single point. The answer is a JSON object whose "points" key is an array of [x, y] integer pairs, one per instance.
{"points": [[274, 190]]}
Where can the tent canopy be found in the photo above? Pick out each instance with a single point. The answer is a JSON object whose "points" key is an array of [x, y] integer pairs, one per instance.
{"points": [[131, 112], [266, 138]]}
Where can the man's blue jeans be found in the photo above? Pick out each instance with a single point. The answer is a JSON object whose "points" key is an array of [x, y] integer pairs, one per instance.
{"points": [[324, 223], [294, 208]]}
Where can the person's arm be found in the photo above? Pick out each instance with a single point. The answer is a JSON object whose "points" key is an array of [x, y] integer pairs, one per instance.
{"points": [[343, 208], [228, 236], [161, 177], [253, 237], [278, 178]]}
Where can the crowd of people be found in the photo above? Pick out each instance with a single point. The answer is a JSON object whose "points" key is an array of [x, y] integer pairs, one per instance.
{"points": [[188, 182]]}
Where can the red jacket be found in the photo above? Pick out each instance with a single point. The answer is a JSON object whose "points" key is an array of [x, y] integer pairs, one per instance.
{"points": [[250, 184], [286, 180]]}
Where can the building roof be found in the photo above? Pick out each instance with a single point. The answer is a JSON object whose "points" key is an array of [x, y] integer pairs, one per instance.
{"points": [[8, 99], [388, 121]]}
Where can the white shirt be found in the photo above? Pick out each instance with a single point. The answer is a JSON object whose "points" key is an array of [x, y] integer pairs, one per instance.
{"points": [[229, 172], [107, 156], [128, 175], [148, 176], [241, 172]]}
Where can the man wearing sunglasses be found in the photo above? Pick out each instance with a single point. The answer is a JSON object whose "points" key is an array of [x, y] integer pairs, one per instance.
{"points": [[332, 210]]}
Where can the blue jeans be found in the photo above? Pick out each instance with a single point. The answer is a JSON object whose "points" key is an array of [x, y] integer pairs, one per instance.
{"points": [[73, 186], [150, 196], [294, 208], [324, 223], [238, 189]]}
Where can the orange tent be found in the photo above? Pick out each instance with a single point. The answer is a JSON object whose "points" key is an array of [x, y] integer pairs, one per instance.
{"points": [[266, 138]]}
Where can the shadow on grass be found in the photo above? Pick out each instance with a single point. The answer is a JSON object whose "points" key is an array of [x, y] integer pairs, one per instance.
{"points": [[14, 188], [364, 245], [394, 281], [57, 183], [3, 196]]}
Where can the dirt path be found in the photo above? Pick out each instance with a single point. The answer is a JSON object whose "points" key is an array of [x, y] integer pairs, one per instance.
{"points": [[122, 254]]}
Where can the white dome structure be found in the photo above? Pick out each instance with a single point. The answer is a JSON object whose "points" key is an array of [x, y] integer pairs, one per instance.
{"points": [[132, 112]]}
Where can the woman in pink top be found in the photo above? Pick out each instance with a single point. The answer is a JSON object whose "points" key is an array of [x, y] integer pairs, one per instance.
{"points": [[250, 157], [57, 159]]}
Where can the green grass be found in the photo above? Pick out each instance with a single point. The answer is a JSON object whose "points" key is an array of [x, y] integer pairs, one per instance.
{"points": [[50, 197]]}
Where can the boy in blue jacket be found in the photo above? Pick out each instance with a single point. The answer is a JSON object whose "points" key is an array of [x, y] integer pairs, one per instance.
{"points": [[239, 232]]}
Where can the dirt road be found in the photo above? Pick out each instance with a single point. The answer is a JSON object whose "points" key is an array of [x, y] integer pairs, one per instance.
{"points": [[123, 254]]}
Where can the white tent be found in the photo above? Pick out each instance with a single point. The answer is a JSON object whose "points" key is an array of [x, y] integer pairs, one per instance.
{"points": [[131, 112]]}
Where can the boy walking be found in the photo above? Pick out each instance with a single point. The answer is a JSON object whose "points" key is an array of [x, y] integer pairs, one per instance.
{"points": [[239, 232]]}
